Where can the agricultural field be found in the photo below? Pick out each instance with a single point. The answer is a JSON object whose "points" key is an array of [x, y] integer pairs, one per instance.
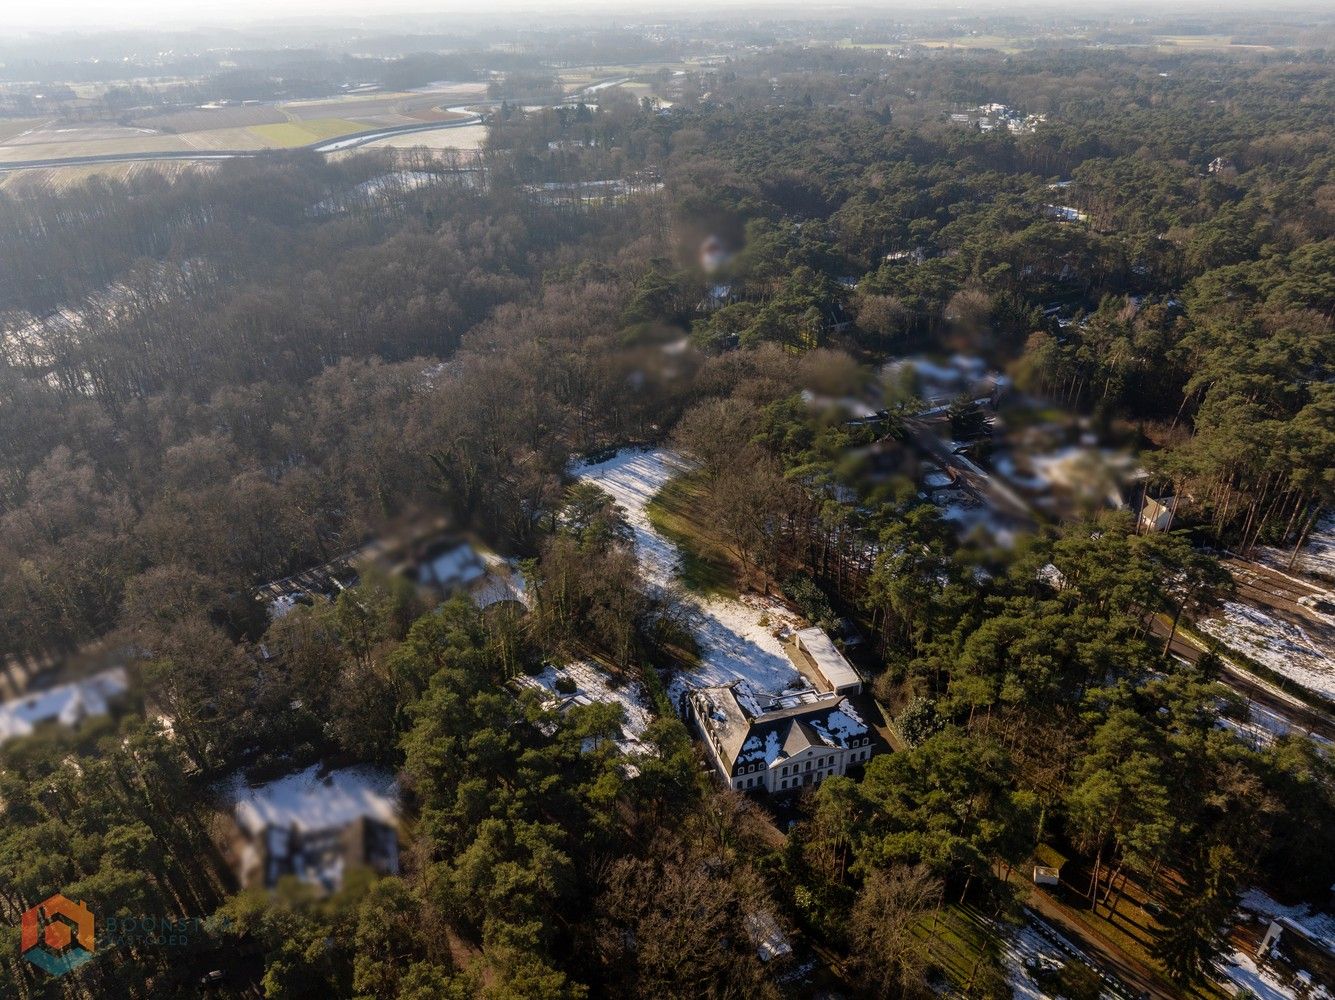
{"points": [[1207, 42], [998, 42], [60, 178], [12, 127], [303, 133], [283, 125]]}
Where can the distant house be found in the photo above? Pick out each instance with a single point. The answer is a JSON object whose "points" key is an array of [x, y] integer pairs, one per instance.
{"points": [[1219, 164], [315, 827], [914, 256], [65, 704], [451, 566], [1157, 515], [1065, 213], [713, 255], [778, 749], [1302, 950], [820, 652]]}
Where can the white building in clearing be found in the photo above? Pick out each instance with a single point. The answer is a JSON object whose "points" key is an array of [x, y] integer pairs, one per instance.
{"points": [[781, 747], [821, 653]]}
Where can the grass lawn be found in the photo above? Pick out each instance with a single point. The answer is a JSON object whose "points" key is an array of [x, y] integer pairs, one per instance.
{"points": [[677, 512], [958, 943], [303, 133]]}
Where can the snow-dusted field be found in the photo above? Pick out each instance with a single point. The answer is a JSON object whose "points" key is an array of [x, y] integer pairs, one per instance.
{"points": [[592, 685], [633, 478], [1283, 647], [1317, 557], [738, 639]]}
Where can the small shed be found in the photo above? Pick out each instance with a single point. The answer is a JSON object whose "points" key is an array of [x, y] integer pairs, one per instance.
{"points": [[1047, 875]]}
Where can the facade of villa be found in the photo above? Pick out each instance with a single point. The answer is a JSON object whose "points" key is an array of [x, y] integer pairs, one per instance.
{"points": [[780, 747]]}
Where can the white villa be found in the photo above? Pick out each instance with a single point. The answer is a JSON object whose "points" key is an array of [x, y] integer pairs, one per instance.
{"points": [[783, 746]]}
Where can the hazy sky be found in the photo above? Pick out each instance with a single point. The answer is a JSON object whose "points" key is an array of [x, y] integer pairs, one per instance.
{"points": [[186, 13], [166, 13], [172, 13]]}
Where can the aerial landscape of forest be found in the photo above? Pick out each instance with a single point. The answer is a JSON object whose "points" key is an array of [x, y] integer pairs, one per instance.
{"points": [[729, 503]]}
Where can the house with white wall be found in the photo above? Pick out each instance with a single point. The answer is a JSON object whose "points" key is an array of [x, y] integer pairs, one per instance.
{"points": [[780, 747]]}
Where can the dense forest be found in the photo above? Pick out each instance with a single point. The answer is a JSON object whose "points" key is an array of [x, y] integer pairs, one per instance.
{"points": [[216, 380]]}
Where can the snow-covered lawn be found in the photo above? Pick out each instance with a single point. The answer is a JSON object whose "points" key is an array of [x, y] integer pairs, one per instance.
{"points": [[503, 582], [739, 639], [1280, 645], [633, 478], [593, 685]]}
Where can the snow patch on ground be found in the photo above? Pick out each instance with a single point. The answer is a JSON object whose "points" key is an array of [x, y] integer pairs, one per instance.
{"points": [[1283, 647], [739, 639], [1317, 556], [1026, 946], [593, 686], [1263, 726], [504, 582], [1243, 972]]}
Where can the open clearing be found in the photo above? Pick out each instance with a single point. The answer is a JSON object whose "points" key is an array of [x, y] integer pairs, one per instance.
{"points": [[1208, 42], [12, 127], [1317, 556], [738, 638], [593, 686]]}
